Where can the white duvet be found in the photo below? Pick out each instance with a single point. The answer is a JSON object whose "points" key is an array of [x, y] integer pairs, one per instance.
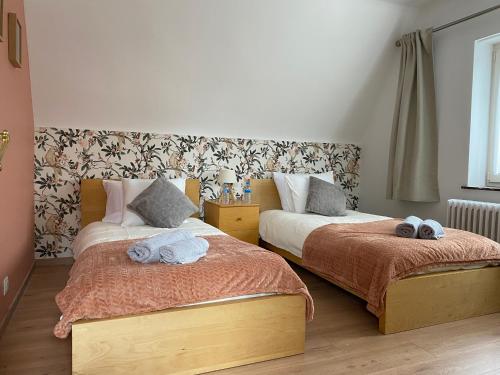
{"points": [[289, 230], [99, 232]]}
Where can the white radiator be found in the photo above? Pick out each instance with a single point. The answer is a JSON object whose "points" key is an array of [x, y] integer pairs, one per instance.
{"points": [[479, 217]]}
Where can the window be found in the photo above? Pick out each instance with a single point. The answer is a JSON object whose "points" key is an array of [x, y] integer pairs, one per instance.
{"points": [[484, 139], [493, 173]]}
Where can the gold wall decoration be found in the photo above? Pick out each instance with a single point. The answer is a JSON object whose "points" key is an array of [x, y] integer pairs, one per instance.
{"points": [[4, 142]]}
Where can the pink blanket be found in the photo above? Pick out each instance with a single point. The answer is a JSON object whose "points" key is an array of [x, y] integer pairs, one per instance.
{"points": [[105, 283], [366, 258]]}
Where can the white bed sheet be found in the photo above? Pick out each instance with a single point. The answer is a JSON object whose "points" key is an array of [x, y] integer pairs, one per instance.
{"points": [[99, 232], [289, 230]]}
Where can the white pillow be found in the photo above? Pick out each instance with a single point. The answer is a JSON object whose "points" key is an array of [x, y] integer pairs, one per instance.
{"points": [[114, 202], [283, 191], [132, 188], [299, 188]]}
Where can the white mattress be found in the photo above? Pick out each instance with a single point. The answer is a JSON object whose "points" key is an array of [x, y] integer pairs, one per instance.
{"points": [[289, 230], [99, 232]]}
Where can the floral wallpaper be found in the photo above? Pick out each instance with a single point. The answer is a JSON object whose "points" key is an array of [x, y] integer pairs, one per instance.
{"points": [[64, 156]]}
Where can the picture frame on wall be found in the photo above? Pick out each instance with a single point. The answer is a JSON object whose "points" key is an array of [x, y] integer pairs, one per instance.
{"points": [[1, 20], [15, 40]]}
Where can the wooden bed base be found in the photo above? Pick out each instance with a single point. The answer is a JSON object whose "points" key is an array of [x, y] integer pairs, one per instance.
{"points": [[193, 339], [426, 300], [185, 340]]}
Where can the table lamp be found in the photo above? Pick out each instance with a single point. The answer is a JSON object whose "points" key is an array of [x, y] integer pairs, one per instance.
{"points": [[227, 179]]}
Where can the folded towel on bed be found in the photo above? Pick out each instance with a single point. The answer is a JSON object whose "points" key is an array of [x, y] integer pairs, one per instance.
{"points": [[148, 250], [182, 252], [409, 227], [430, 230]]}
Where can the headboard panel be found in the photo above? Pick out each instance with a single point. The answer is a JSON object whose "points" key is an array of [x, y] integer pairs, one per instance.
{"points": [[265, 193], [93, 199]]}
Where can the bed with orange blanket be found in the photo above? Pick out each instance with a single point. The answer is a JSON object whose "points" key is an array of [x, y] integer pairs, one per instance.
{"points": [[104, 283], [407, 283], [240, 304], [366, 258]]}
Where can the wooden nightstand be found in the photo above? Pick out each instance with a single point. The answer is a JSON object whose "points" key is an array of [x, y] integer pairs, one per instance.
{"points": [[240, 220]]}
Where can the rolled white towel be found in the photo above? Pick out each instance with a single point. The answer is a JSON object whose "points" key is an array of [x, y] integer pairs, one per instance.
{"points": [[148, 250], [409, 227], [182, 252], [430, 230]]}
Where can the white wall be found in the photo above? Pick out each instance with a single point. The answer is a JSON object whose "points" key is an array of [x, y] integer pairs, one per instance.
{"points": [[282, 69], [454, 53]]}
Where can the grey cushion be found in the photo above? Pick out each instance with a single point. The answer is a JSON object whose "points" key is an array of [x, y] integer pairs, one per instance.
{"points": [[163, 205], [325, 198]]}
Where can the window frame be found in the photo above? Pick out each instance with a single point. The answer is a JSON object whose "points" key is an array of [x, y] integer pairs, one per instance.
{"points": [[493, 179]]}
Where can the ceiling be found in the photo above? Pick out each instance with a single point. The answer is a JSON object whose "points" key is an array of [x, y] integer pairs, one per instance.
{"points": [[235, 68], [416, 3]]}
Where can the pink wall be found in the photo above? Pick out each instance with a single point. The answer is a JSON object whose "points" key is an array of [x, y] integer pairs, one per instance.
{"points": [[16, 179]]}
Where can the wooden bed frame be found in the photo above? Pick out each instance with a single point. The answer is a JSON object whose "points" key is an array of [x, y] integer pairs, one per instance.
{"points": [[185, 340], [418, 301]]}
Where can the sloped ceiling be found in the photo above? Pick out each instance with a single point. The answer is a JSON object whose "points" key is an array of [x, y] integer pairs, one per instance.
{"points": [[416, 3], [282, 69]]}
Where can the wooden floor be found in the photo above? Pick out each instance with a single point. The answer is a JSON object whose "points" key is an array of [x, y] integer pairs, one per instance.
{"points": [[343, 339]]}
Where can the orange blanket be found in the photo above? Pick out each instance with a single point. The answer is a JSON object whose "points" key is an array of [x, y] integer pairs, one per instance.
{"points": [[105, 283], [366, 258]]}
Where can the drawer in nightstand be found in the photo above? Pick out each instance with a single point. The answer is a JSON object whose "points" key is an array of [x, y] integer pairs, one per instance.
{"points": [[250, 236], [240, 218], [237, 219]]}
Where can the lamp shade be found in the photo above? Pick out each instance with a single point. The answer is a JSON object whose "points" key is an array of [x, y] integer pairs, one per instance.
{"points": [[227, 176]]}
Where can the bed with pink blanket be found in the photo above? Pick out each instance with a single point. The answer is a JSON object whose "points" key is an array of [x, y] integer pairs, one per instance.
{"points": [[105, 283], [239, 304], [366, 258], [407, 283]]}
